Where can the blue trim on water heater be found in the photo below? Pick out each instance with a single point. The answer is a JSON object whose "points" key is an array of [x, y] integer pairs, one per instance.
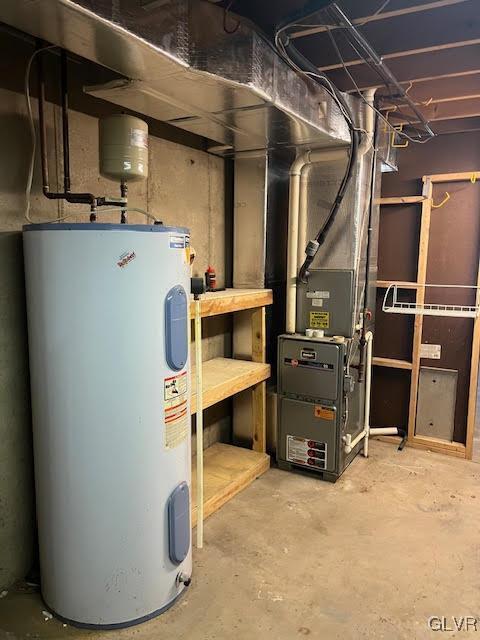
{"points": [[102, 226]]}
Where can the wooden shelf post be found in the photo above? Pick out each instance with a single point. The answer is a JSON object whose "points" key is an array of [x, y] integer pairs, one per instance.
{"points": [[427, 193], [259, 400]]}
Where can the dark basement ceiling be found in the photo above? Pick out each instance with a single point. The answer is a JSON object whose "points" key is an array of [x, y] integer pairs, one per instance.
{"points": [[432, 47]]}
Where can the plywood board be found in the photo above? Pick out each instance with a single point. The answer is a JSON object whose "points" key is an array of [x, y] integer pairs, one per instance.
{"points": [[227, 471], [217, 302], [391, 362], [223, 377]]}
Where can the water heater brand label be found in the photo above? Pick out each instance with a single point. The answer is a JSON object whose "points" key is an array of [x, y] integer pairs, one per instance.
{"points": [[177, 420], [125, 258], [178, 242], [306, 452]]}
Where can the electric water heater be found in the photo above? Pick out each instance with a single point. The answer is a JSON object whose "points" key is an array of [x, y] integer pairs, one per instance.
{"points": [[109, 361]]}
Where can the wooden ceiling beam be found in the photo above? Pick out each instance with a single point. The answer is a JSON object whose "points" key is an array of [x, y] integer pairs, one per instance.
{"points": [[454, 125], [443, 111], [422, 105], [409, 52], [438, 91], [421, 83], [385, 15], [461, 59], [396, 38]]}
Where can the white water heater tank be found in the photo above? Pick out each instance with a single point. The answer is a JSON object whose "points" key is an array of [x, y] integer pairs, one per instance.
{"points": [[108, 338]]}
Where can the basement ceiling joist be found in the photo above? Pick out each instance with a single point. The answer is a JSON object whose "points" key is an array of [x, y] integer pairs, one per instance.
{"points": [[433, 80], [457, 59], [384, 15], [467, 108], [450, 89], [400, 36], [432, 47], [457, 125]]}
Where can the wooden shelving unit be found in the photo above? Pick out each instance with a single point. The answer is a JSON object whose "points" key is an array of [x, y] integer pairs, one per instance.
{"points": [[384, 284], [425, 200], [231, 300], [392, 363], [229, 469], [224, 377]]}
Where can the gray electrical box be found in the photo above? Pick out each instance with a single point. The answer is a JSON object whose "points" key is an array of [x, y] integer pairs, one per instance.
{"points": [[327, 302], [318, 404]]}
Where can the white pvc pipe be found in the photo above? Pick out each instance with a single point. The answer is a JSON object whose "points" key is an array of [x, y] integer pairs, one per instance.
{"points": [[314, 157], [297, 218], [368, 389], [367, 141], [351, 444], [365, 433], [384, 431], [199, 422], [293, 207]]}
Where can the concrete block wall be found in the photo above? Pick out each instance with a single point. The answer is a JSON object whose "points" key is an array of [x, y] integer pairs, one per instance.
{"points": [[185, 187]]}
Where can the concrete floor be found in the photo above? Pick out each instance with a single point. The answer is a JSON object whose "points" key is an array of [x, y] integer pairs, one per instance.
{"points": [[394, 542]]}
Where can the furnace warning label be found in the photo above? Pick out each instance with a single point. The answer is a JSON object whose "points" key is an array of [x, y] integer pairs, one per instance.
{"points": [[325, 413], [308, 453], [175, 406], [319, 320]]}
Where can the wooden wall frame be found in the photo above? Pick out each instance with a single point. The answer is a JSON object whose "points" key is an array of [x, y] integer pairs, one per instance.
{"points": [[425, 442]]}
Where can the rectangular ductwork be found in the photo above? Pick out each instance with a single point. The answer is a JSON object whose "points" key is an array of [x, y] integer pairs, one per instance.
{"points": [[174, 61]]}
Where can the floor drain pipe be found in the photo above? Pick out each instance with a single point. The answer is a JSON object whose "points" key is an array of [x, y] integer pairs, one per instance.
{"points": [[365, 433]]}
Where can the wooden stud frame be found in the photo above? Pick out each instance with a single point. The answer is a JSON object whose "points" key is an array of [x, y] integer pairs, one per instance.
{"points": [[425, 442], [259, 400]]}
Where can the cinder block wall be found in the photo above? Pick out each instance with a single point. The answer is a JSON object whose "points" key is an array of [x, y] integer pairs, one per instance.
{"points": [[185, 188]]}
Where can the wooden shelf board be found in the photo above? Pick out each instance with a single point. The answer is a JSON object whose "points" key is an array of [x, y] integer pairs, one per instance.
{"points": [[456, 451], [215, 303], [384, 284], [452, 177], [392, 363], [224, 377], [227, 471], [401, 200]]}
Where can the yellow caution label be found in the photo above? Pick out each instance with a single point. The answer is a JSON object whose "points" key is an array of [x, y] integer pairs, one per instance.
{"points": [[319, 319], [325, 413]]}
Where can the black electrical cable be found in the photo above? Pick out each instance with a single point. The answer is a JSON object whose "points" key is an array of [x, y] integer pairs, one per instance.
{"points": [[298, 61]]}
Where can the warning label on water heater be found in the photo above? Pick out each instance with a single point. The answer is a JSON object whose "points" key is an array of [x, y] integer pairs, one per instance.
{"points": [[175, 406]]}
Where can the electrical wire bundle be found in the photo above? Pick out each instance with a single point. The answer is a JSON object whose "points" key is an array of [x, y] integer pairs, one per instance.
{"points": [[302, 65]]}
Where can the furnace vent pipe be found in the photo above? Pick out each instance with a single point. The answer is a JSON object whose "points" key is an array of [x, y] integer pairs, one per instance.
{"points": [[367, 140], [297, 219], [297, 216]]}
